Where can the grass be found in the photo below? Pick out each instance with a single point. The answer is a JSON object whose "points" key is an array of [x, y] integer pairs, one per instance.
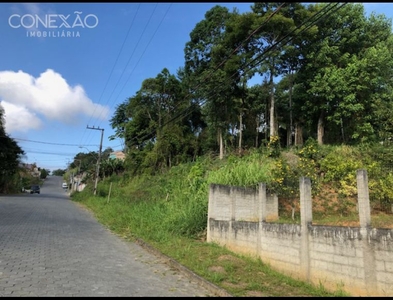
{"points": [[378, 220], [241, 276], [382, 220], [169, 212]]}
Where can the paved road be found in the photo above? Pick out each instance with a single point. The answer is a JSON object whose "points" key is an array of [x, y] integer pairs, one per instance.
{"points": [[49, 246]]}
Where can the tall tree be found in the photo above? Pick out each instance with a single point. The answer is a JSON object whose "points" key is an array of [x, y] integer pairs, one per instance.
{"points": [[118, 122], [10, 158], [237, 57], [158, 120], [204, 55], [293, 58], [274, 22], [350, 64], [257, 102]]}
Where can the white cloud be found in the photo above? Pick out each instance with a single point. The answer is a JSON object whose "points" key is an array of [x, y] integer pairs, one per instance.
{"points": [[28, 102], [25, 119]]}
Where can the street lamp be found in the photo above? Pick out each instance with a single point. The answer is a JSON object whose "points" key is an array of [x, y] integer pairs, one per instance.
{"points": [[89, 151], [84, 147]]}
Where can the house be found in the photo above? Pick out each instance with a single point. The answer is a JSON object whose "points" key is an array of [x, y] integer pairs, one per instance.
{"points": [[117, 155], [32, 169]]}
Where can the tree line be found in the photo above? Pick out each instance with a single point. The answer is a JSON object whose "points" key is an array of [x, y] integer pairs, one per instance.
{"points": [[10, 157], [325, 72]]}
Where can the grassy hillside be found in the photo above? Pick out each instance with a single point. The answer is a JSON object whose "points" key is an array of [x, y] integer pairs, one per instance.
{"points": [[169, 210]]}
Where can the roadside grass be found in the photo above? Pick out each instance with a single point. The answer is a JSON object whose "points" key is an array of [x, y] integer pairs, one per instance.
{"points": [[169, 212], [240, 275]]}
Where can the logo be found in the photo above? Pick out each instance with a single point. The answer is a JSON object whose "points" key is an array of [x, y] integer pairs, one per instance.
{"points": [[53, 25]]}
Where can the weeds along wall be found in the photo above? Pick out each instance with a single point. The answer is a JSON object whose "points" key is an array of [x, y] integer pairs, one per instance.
{"points": [[358, 260]]}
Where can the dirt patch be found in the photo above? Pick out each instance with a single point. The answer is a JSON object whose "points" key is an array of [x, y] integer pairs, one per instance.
{"points": [[240, 285], [217, 269], [230, 258], [327, 202], [332, 209]]}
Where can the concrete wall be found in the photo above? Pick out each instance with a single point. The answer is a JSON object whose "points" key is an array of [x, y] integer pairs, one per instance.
{"points": [[358, 260]]}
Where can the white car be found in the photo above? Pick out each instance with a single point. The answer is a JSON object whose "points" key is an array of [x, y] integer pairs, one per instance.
{"points": [[65, 185]]}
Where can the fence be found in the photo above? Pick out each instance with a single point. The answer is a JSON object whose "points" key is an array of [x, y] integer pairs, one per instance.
{"points": [[358, 260]]}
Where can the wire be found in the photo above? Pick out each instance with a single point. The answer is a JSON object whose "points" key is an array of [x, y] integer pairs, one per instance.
{"points": [[117, 58], [216, 67], [308, 26], [128, 78], [241, 44], [132, 54], [185, 112], [262, 56], [256, 30], [52, 153], [72, 145]]}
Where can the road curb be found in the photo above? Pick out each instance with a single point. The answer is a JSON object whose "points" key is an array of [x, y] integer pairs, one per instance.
{"points": [[216, 290]]}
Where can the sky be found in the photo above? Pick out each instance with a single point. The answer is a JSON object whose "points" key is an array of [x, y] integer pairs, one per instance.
{"points": [[65, 67]]}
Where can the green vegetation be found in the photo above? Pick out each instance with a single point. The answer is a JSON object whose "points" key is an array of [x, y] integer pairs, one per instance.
{"points": [[169, 210], [58, 172], [326, 73], [10, 153], [322, 110]]}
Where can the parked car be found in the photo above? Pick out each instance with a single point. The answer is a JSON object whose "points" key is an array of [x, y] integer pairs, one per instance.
{"points": [[65, 185], [35, 189]]}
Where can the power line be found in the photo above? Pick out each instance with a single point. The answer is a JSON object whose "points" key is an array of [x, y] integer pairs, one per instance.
{"points": [[128, 78], [209, 75], [51, 153], [252, 33], [140, 56], [216, 67], [185, 112], [117, 58], [261, 56], [153, 37], [132, 54], [40, 142]]}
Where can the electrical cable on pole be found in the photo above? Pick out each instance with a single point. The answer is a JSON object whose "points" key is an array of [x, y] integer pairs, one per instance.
{"points": [[99, 157]]}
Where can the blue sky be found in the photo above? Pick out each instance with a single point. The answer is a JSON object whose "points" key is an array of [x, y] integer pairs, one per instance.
{"points": [[52, 87]]}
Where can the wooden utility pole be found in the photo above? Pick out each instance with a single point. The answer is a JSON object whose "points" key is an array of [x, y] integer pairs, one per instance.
{"points": [[99, 157]]}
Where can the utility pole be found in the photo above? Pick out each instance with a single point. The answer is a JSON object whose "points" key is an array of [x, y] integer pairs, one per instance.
{"points": [[76, 186], [99, 157], [72, 183]]}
